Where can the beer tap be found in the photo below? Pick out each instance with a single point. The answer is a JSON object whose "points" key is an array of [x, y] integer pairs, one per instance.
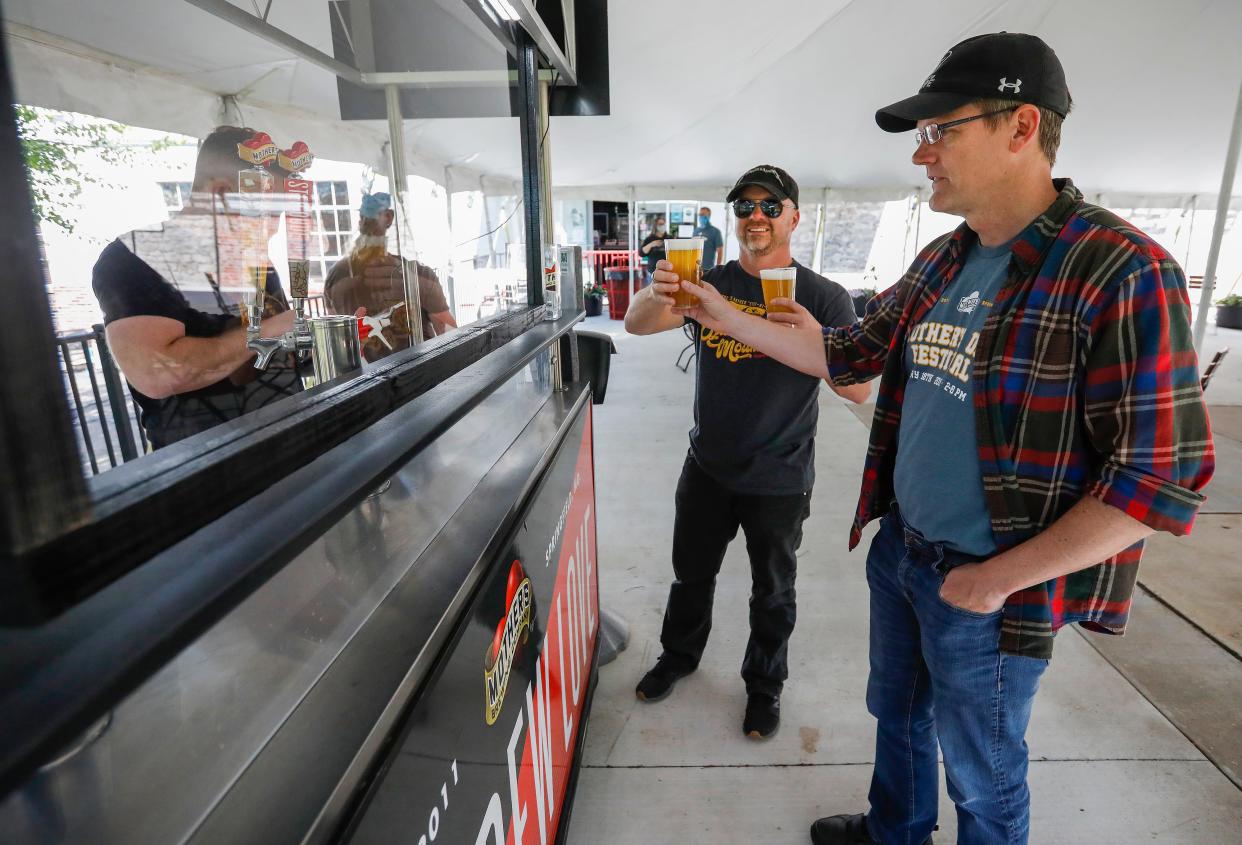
{"points": [[255, 188], [298, 233]]}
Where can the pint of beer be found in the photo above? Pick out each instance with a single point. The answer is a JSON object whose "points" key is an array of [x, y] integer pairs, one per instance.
{"points": [[778, 282], [686, 254]]}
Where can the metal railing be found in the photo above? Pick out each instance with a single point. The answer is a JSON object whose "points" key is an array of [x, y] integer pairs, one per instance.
{"points": [[106, 418], [108, 433]]}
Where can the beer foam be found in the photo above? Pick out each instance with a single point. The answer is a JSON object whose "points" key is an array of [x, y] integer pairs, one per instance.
{"points": [[779, 273], [677, 244]]}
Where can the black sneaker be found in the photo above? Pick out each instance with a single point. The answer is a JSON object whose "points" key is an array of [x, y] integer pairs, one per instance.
{"points": [[844, 830], [763, 715], [658, 683]]}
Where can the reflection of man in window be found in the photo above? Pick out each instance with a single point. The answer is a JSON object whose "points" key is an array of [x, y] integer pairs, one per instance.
{"points": [[370, 277], [187, 365]]}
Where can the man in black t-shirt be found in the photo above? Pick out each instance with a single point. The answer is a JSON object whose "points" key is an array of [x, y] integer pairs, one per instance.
{"points": [[752, 453], [188, 369]]}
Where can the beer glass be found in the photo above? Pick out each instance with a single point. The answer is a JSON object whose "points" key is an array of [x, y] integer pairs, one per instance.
{"points": [[686, 254], [778, 281]]}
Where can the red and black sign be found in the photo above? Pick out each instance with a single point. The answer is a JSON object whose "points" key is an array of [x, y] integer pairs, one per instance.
{"points": [[490, 750]]}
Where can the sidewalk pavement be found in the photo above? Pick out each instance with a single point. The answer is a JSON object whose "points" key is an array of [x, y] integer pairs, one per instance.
{"points": [[1107, 766]]}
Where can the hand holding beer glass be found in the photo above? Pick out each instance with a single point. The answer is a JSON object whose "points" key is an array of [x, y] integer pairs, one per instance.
{"points": [[778, 282], [686, 256]]}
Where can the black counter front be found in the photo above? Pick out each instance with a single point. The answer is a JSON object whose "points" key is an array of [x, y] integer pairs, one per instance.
{"points": [[487, 752], [385, 678]]}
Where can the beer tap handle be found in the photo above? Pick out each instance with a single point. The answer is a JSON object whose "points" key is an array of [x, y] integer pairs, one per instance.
{"points": [[298, 202], [265, 349]]}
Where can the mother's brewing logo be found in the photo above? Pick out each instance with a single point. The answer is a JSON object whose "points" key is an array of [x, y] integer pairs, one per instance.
{"points": [[514, 627]]}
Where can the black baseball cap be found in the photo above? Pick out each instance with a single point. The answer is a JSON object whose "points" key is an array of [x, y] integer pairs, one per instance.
{"points": [[769, 176], [1005, 65]]}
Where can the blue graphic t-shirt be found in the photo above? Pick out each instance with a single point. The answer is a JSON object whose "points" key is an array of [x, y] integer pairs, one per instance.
{"points": [[937, 478]]}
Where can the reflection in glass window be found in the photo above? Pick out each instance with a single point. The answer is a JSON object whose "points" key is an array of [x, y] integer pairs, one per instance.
{"points": [[370, 276], [172, 297], [172, 208], [176, 195]]}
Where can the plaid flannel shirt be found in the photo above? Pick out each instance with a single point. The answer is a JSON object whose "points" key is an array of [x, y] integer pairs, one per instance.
{"points": [[1085, 383]]}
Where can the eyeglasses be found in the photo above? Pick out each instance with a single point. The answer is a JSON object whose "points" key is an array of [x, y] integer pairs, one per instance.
{"points": [[933, 132], [770, 207]]}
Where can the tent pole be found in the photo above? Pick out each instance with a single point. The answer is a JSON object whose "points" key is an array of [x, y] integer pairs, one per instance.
{"points": [[918, 222], [397, 185], [820, 224], [448, 213], [487, 226], [633, 238], [1190, 233], [1218, 227]]}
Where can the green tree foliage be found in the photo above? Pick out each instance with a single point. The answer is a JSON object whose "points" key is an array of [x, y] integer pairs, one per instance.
{"points": [[59, 149]]}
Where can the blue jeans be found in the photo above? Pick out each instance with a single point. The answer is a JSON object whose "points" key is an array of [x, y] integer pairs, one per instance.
{"points": [[937, 673]]}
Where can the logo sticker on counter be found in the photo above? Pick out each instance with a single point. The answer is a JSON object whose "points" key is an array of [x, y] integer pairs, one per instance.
{"points": [[512, 629]]}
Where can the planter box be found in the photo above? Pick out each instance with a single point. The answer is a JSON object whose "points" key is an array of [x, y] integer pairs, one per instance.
{"points": [[594, 306], [1229, 316]]}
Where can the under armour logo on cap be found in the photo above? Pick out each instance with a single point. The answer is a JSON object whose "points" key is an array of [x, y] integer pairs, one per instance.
{"points": [[1005, 85]]}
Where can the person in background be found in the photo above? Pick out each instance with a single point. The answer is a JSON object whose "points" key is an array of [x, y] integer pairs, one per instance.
{"points": [[652, 247], [188, 369], [1039, 415], [370, 277], [713, 240], [751, 462]]}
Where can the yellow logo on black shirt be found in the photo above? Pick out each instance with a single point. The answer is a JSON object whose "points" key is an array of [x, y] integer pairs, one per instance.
{"points": [[728, 348]]}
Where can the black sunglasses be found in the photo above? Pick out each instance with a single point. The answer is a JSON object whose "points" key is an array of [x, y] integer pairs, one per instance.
{"points": [[770, 207]]}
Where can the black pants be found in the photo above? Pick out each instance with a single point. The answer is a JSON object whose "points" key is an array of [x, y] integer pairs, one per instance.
{"points": [[707, 519]]}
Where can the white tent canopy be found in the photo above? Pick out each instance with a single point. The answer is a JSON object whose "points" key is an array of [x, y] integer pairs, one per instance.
{"points": [[798, 82], [700, 89], [167, 65]]}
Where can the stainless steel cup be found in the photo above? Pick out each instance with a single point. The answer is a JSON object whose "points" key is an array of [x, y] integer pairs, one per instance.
{"points": [[335, 348]]}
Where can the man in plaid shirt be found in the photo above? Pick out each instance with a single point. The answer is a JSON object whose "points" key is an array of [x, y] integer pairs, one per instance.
{"points": [[1039, 415]]}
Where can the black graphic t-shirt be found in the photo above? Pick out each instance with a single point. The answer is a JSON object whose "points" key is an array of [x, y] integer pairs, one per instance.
{"points": [[755, 418]]}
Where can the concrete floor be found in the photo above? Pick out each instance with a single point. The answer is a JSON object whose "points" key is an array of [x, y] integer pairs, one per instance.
{"points": [[1110, 764]]}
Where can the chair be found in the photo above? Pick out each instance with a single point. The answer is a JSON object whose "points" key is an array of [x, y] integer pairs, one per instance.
{"points": [[1211, 368], [689, 330]]}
